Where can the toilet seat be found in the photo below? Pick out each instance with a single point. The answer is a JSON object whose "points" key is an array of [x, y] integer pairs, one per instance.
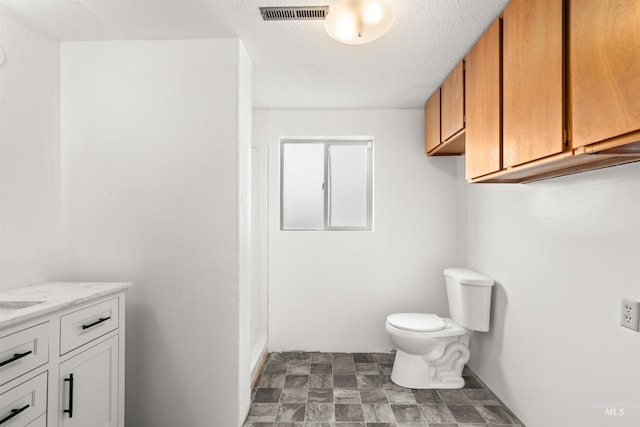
{"points": [[416, 322]]}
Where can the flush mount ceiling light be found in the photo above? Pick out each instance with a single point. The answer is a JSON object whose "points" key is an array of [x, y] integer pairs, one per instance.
{"points": [[359, 21]]}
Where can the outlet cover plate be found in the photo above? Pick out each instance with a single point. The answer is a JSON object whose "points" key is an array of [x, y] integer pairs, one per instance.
{"points": [[629, 311]]}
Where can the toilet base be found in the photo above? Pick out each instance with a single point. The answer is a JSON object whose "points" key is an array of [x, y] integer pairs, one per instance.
{"points": [[413, 371]]}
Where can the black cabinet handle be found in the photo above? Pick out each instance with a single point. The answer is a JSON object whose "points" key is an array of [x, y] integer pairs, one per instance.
{"points": [[70, 410], [97, 322], [16, 356], [14, 412]]}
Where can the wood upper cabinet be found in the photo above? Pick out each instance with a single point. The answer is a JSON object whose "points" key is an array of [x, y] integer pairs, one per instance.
{"points": [[444, 117], [533, 80], [483, 98], [452, 104], [432, 122], [604, 69]]}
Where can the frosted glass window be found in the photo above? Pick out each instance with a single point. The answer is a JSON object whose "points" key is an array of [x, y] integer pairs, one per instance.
{"points": [[326, 184], [348, 182], [303, 186]]}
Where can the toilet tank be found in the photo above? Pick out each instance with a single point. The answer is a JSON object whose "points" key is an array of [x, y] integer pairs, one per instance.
{"points": [[469, 295]]}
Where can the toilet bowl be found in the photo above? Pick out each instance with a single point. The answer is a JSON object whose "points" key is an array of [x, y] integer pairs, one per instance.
{"points": [[432, 351], [428, 359]]}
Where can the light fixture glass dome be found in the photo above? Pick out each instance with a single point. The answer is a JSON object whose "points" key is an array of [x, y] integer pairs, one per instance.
{"points": [[359, 21]]}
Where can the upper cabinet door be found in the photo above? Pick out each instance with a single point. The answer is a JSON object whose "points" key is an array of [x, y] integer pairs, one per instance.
{"points": [[432, 122], [533, 80], [453, 102], [483, 99], [604, 69]]}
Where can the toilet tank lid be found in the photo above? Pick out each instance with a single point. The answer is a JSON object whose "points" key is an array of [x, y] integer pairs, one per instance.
{"points": [[468, 277]]}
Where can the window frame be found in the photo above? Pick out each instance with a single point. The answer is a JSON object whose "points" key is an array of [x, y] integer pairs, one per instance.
{"points": [[368, 142]]}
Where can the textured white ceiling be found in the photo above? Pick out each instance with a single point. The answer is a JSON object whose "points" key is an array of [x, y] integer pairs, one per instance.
{"points": [[296, 64]]}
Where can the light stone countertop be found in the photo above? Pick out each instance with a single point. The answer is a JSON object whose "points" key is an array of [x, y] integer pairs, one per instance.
{"points": [[55, 296]]}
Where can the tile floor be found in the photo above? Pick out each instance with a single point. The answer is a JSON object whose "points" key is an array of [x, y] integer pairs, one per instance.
{"points": [[355, 390]]}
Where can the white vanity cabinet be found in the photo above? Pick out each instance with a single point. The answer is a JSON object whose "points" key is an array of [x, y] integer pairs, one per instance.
{"points": [[62, 363], [88, 387]]}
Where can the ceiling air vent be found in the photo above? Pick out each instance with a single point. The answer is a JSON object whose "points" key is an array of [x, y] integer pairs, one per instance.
{"points": [[294, 13]]}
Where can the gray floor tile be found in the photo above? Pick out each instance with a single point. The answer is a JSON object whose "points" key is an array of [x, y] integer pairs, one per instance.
{"points": [[271, 381], [320, 395], [345, 381], [471, 381], [367, 368], [466, 414], [496, 414], [320, 412], [435, 413], [291, 412], [321, 380], [413, 424], [406, 413], [400, 396], [348, 412], [377, 412], [275, 368], [321, 368], [369, 381], [321, 357], [386, 358], [298, 369], [267, 395], [300, 355], [346, 395], [454, 397], [388, 384], [343, 358], [344, 366], [363, 358], [263, 412], [300, 361], [279, 357], [426, 396], [304, 389], [385, 369], [373, 395], [296, 381], [294, 395], [481, 396]]}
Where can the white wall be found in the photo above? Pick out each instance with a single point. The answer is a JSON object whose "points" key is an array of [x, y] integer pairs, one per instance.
{"points": [[29, 156], [563, 252], [151, 171], [331, 291]]}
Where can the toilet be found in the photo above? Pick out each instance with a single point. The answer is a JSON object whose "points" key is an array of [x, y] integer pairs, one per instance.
{"points": [[431, 350]]}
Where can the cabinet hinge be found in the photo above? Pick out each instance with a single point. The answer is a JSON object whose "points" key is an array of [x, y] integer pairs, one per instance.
{"points": [[565, 137]]}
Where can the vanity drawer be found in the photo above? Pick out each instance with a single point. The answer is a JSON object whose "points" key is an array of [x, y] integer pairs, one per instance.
{"points": [[87, 324], [23, 351], [24, 404]]}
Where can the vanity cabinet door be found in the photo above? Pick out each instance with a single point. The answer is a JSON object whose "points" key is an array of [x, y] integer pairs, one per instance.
{"points": [[484, 104], [88, 395], [604, 69], [533, 80]]}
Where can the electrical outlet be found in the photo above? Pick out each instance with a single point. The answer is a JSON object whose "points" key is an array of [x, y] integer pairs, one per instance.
{"points": [[629, 314]]}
